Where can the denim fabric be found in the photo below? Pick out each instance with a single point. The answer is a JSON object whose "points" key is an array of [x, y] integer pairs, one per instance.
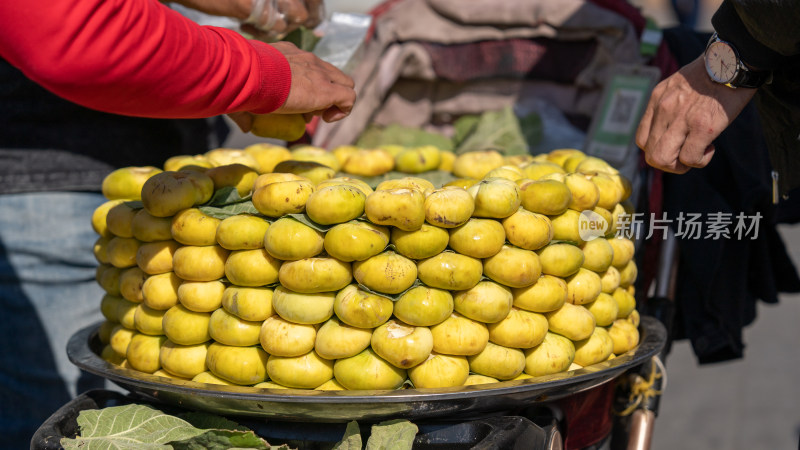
{"points": [[47, 292]]}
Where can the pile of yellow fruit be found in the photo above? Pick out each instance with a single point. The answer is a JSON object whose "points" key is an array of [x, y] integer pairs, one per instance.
{"points": [[310, 278]]}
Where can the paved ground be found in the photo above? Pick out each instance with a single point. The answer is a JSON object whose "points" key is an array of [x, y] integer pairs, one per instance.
{"points": [[741, 405]]}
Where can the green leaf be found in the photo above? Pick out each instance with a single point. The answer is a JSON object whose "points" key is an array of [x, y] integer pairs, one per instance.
{"points": [[129, 427], [392, 435], [463, 126], [134, 204], [305, 220], [498, 130], [221, 440], [206, 421], [226, 196], [351, 439], [532, 129], [376, 136], [304, 38], [223, 212]]}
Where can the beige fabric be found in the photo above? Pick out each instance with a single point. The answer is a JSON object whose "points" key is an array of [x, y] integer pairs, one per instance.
{"points": [[396, 83]]}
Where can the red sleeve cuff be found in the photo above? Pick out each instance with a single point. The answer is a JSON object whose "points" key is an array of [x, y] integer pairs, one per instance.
{"points": [[276, 80]]}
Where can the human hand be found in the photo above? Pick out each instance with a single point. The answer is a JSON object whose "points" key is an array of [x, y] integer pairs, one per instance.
{"points": [[271, 20], [318, 89], [686, 112]]}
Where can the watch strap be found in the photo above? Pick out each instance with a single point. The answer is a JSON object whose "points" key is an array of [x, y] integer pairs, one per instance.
{"points": [[752, 79]]}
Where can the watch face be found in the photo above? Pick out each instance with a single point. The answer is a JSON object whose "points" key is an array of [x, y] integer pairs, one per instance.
{"points": [[721, 62]]}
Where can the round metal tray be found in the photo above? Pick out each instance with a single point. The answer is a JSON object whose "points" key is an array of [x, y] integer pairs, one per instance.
{"points": [[339, 406]]}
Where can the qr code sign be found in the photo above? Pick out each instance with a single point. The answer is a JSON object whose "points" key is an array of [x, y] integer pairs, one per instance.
{"points": [[622, 114]]}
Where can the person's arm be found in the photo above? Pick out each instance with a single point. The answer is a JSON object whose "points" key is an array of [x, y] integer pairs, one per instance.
{"points": [[687, 110], [139, 58]]}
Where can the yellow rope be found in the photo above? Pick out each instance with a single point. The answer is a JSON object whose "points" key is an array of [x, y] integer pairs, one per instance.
{"points": [[641, 389]]}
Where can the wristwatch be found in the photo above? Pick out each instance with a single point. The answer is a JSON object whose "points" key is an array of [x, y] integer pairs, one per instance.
{"points": [[725, 67]]}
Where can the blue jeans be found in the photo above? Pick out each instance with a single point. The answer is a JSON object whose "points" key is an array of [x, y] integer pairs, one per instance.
{"points": [[47, 292]]}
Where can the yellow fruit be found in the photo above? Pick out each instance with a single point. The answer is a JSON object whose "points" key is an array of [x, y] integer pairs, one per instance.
{"points": [[99, 215], [566, 226], [313, 171], [228, 329], [120, 338], [360, 308], [604, 309], [356, 240], [560, 259], [166, 193], [459, 335], [209, 378], [238, 365], [446, 161], [283, 197], [369, 162], [125, 312], [571, 321], [609, 280], [185, 361], [486, 302], [537, 169], [337, 340], [402, 345], [276, 177], [416, 183], [119, 219], [475, 379], [242, 232], [335, 204], [224, 156], [289, 239], [237, 176], [149, 228], [343, 153], [547, 294], [368, 371], [634, 318], [284, 127], [596, 348], [598, 254], [281, 337], [179, 162], [585, 194], [315, 154], [387, 272], [623, 251], [477, 164], [626, 302], [624, 335], [121, 252], [593, 165], [418, 159], [109, 355], [424, 306], [130, 284], [319, 274], [555, 354], [108, 277], [498, 362], [402, 208], [100, 250], [609, 191], [361, 185], [269, 385], [252, 267], [528, 230], [148, 320], [440, 371], [143, 352], [126, 182], [156, 257], [549, 197], [583, 287], [495, 197], [627, 275], [267, 156], [513, 267], [161, 291], [193, 227], [478, 238], [508, 172], [519, 329], [450, 271], [449, 207], [428, 241], [186, 327], [304, 372], [303, 308], [463, 183], [330, 385], [248, 303], [206, 263]]}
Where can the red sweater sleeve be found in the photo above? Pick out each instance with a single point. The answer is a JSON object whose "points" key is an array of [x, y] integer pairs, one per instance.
{"points": [[140, 58]]}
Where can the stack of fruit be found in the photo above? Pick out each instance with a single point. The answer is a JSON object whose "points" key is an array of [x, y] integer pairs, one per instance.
{"points": [[270, 268]]}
